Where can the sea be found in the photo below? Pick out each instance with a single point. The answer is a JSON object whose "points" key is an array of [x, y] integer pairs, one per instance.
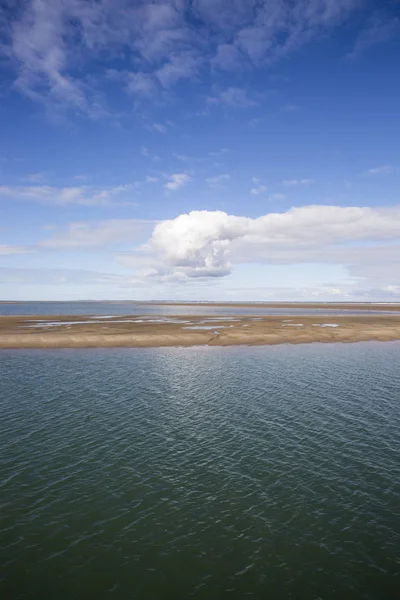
{"points": [[208, 473], [164, 309]]}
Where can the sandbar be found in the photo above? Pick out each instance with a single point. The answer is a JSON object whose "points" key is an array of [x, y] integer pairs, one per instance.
{"points": [[74, 331]]}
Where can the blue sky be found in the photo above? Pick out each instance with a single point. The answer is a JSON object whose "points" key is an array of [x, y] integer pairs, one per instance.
{"points": [[203, 149]]}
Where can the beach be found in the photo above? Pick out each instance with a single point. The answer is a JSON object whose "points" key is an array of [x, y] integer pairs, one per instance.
{"points": [[64, 331]]}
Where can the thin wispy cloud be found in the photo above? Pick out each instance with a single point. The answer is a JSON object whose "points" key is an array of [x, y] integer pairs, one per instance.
{"points": [[8, 250], [218, 181], [232, 97], [291, 107], [182, 157], [260, 189], [378, 31], [58, 196], [159, 128], [138, 85], [81, 234], [46, 40], [60, 278], [294, 182], [181, 65], [219, 153], [144, 151], [176, 181], [36, 178], [383, 170], [277, 196]]}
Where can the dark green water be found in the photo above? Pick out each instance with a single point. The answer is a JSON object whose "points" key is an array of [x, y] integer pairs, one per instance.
{"points": [[205, 473]]}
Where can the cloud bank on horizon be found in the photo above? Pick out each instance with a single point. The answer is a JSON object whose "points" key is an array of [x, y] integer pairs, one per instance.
{"points": [[199, 149]]}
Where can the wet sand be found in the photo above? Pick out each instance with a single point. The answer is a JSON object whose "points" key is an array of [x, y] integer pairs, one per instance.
{"points": [[146, 331]]}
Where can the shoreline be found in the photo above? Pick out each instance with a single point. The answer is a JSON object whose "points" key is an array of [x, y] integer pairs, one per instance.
{"points": [[83, 331]]}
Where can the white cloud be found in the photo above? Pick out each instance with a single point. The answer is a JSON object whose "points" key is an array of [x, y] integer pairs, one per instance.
{"points": [[159, 127], [6, 250], [182, 157], [150, 179], [384, 170], [99, 234], [260, 189], [139, 84], [232, 97], [228, 57], [377, 32], [60, 278], [219, 153], [148, 154], [253, 42], [291, 107], [293, 182], [259, 32], [182, 65], [80, 195], [47, 42], [177, 181], [36, 178], [277, 197], [218, 180], [344, 292], [205, 243], [39, 48], [200, 245]]}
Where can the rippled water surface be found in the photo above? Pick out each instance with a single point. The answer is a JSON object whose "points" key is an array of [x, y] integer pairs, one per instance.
{"points": [[209, 473]]}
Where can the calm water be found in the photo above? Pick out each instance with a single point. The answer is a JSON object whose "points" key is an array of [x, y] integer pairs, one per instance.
{"points": [[208, 473], [132, 308]]}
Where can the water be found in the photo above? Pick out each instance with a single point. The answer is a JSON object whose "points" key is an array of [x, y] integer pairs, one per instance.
{"points": [[206, 473], [133, 308]]}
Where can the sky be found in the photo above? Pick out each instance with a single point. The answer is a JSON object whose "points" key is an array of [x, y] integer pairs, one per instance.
{"points": [[200, 150]]}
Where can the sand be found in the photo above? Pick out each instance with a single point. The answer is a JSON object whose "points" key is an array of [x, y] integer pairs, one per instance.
{"points": [[134, 331]]}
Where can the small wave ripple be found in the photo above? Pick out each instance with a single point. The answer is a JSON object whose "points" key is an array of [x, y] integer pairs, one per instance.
{"points": [[202, 473]]}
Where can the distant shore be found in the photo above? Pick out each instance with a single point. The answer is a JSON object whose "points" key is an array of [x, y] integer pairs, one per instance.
{"points": [[386, 306], [316, 305], [44, 331]]}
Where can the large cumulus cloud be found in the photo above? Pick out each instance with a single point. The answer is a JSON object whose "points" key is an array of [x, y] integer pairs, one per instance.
{"points": [[207, 243]]}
